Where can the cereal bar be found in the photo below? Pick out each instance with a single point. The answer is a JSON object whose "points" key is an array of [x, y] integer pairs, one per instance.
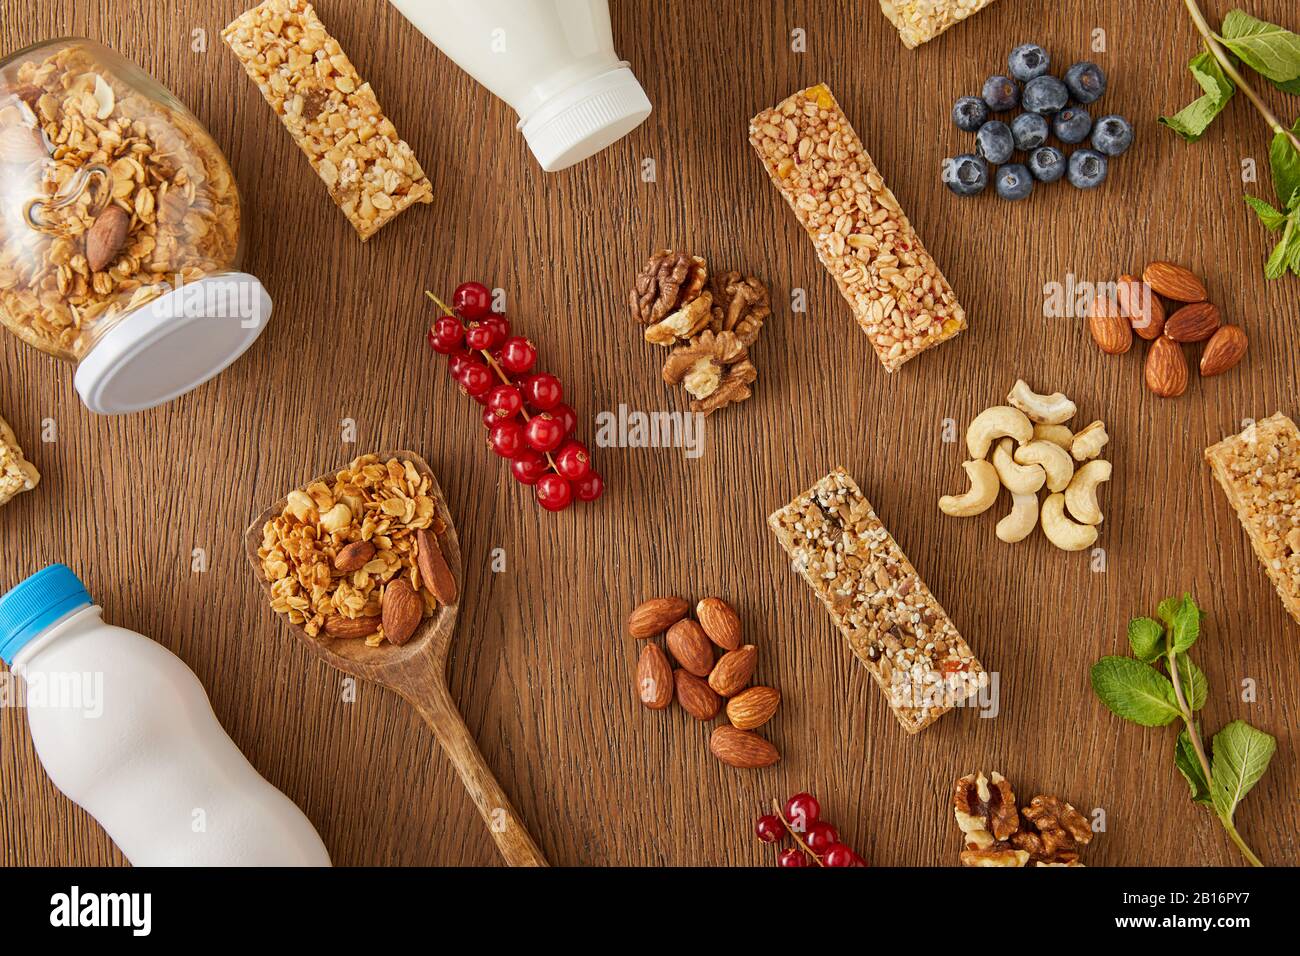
{"points": [[17, 474], [1260, 473], [878, 601], [920, 21], [898, 295], [330, 111]]}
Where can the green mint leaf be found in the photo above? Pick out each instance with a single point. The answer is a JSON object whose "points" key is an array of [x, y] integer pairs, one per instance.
{"points": [[1187, 764], [1265, 47], [1134, 691], [1192, 680], [1185, 626], [1241, 755], [1285, 160], [1167, 609], [1193, 120], [1146, 637], [1270, 217], [1281, 258]]}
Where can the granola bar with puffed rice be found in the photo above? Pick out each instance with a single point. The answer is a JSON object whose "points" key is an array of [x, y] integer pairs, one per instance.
{"points": [[1260, 473], [920, 21], [878, 601], [818, 164], [17, 474], [332, 113]]}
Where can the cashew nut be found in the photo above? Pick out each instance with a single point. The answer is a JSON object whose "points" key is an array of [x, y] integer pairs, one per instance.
{"points": [[1024, 516], [1081, 496], [991, 424], [1089, 442], [1054, 459], [983, 492], [1048, 409], [1019, 479], [1056, 434], [1063, 532]]}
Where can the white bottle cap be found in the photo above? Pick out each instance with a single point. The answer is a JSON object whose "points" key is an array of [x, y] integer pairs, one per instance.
{"points": [[585, 118], [173, 344]]}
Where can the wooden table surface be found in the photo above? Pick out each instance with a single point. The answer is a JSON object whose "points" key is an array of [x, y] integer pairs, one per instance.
{"points": [[541, 666]]}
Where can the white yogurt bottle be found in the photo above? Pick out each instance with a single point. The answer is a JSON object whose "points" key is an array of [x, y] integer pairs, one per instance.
{"points": [[552, 61], [126, 731]]}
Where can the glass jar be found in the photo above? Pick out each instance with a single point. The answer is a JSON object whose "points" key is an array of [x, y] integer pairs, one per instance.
{"points": [[120, 244]]}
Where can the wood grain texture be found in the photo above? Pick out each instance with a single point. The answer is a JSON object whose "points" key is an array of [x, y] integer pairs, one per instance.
{"points": [[540, 666]]}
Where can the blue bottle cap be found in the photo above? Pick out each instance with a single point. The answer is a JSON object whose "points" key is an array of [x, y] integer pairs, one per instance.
{"points": [[37, 603]]}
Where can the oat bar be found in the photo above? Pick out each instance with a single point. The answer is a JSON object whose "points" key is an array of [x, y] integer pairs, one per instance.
{"points": [[330, 111], [898, 295], [920, 21], [878, 601], [1260, 473], [17, 474]]}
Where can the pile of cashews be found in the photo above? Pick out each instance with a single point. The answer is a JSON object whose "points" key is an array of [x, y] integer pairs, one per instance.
{"points": [[1033, 448]]}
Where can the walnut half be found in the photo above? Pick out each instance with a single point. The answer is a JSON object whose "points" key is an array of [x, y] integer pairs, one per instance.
{"points": [[985, 809], [1054, 831], [668, 281], [740, 305], [714, 368]]}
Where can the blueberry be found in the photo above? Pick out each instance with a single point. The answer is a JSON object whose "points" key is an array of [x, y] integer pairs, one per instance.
{"points": [[1087, 169], [1086, 81], [1112, 135], [1014, 182], [1001, 94], [970, 113], [1045, 94], [994, 142], [1030, 131], [1047, 164], [966, 175], [1072, 125], [1028, 61]]}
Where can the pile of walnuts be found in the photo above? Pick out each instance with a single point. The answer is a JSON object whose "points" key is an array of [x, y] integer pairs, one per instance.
{"points": [[1048, 832], [709, 323]]}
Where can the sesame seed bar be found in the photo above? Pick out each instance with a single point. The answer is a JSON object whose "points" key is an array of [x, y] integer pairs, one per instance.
{"points": [[1260, 473], [17, 474], [920, 21], [863, 238], [330, 111], [878, 601]]}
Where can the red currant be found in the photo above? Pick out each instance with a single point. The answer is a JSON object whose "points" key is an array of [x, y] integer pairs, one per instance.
{"points": [[837, 854], [489, 417], [544, 433], [476, 378], [769, 829], [505, 401], [567, 417], [499, 326], [472, 300], [802, 810], [792, 857], [542, 391], [820, 835], [507, 438], [479, 337], [518, 355], [446, 341], [553, 492], [858, 861], [457, 361], [589, 488], [529, 466], [572, 461]]}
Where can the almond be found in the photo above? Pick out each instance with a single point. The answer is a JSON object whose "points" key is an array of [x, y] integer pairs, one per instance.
{"points": [[1174, 282], [695, 696], [740, 748], [654, 678], [734, 669], [1141, 307], [105, 237], [1194, 323], [688, 643], [1224, 350], [345, 628], [354, 557], [1112, 332], [402, 610], [720, 622], [434, 571], [655, 616], [1166, 371], [753, 708]]}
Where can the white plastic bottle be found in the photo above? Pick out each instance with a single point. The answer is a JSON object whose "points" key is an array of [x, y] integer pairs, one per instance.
{"points": [[126, 731], [553, 61]]}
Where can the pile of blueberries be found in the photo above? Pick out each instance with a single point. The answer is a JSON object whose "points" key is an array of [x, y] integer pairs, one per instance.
{"points": [[1051, 107]]}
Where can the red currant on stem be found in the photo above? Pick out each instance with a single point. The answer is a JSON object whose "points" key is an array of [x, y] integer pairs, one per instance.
{"points": [[837, 855], [572, 460], [544, 433], [499, 326], [475, 378], [505, 401], [589, 488], [479, 337], [820, 835], [507, 438], [793, 857], [769, 828], [518, 355], [529, 466], [566, 416], [554, 493], [801, 810], [542, 391], [472, 300]]}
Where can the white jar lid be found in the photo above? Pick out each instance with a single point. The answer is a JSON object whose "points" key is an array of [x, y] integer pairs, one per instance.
{"points": [[585, 118], [173, 344]]}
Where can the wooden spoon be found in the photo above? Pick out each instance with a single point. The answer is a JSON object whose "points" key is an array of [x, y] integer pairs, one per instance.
{"points": [[417, 670]]}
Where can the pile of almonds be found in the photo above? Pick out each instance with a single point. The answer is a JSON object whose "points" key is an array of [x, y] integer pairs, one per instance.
{"points": [[700, 683], [1137, 308]]}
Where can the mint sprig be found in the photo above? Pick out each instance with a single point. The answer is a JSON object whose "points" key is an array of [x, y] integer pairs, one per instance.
{"points": [[1137, 689]]}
